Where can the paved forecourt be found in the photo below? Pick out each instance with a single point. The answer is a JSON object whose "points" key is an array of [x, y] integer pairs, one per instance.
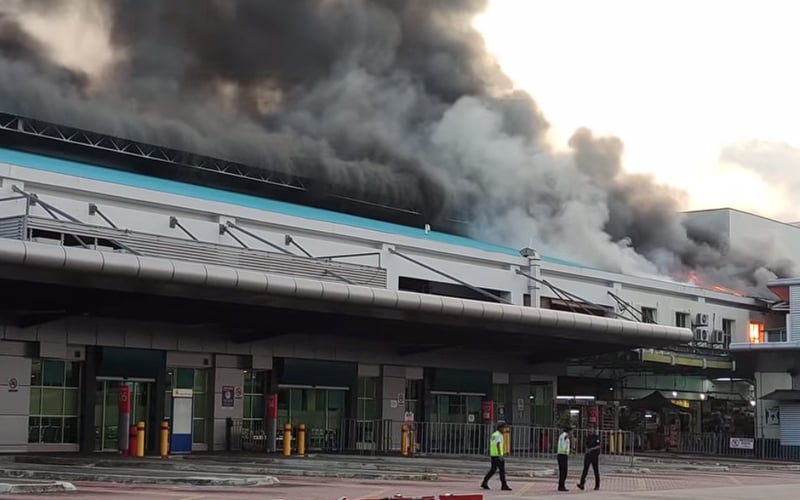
{"points": [[684, 485]]}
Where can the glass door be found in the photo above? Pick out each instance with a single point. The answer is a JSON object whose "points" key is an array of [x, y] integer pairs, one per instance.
{"points": [[106, 411], [321, 410]]}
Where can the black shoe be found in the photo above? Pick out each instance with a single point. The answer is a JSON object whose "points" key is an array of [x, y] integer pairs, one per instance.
{"points": [[506, 487], [580, 486], [596, 488], [485, 486], [563, 489]]}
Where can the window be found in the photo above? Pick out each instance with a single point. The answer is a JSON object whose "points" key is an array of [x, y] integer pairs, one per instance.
{"points": [[756, 333], [682, 320], [255, 385], [777, 335], [54, 404], [727, 332], [648, 315]]}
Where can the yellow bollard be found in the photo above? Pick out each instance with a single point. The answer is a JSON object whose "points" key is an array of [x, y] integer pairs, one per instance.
{"points": [[404, 440], [164, 444], [140, 439], [287, 440], [508, 441], [301, 440]]}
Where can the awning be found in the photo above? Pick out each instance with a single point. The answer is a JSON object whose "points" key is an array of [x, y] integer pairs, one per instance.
{"points": [[655, 401], [18, 254], [782, 395]]}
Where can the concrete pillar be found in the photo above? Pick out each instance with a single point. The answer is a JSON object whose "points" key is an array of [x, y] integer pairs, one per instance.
{"points": [[393, 386], [228, 373]]}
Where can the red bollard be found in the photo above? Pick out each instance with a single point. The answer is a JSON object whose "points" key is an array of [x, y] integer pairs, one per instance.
{"points": [[132, 441]]}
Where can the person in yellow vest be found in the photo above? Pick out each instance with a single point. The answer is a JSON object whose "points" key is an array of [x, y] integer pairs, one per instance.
{"points": [[497, 452], [563, 457]]}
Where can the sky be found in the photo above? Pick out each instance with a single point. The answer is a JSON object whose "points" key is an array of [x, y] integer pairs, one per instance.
{"points": [[704, 94]]}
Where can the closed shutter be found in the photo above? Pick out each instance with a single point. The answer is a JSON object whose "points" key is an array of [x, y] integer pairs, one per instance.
{"points": [[790, 424]]}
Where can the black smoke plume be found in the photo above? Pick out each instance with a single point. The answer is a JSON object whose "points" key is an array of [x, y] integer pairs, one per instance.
{"points": [[399, 101]]}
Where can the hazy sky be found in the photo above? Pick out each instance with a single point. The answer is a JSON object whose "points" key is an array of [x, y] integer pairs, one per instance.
{"points": [[704, 94]]}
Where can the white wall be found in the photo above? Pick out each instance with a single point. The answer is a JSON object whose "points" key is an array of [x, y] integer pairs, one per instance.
{"points": [[767, 382], [15, 404]]}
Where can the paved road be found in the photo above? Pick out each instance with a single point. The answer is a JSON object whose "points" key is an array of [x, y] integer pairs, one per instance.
{"points": [[775, 485]]}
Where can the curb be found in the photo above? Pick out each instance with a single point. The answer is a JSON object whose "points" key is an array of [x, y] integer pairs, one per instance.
{"points": [[128, 479], [27, 489]]}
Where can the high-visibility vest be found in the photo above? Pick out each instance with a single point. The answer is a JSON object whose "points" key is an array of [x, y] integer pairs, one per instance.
{"points": [[496, 444], [563, 444]]}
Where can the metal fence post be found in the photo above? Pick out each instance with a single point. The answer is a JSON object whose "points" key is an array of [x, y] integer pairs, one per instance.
{"points": [[228, 432]]}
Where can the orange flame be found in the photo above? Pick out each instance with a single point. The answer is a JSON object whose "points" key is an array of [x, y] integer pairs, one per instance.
{"points": [[693, 278]]}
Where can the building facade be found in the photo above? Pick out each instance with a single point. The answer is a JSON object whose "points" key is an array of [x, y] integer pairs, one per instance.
{"points": [[268, 313]]}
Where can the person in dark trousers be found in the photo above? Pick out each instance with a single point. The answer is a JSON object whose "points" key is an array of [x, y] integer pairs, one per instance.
{"points": [[497, 452], [563, 457], [592, 457]]}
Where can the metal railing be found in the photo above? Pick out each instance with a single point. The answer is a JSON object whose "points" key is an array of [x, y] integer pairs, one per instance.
{"points": [[429, 438], [728, 445]]}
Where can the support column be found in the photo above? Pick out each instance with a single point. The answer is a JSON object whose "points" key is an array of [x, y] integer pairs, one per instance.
{"points": [[228, 395], [393, 384], [88, 392]]}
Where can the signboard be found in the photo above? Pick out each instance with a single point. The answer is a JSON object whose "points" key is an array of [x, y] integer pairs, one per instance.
{"points": [[272, 406], [487, 410], [124, 398], [13, 385], [742, 443], [401, 398], [227, 396], [520, 404], [773, 415], [594, 414], [181, 393], [238, 392]]}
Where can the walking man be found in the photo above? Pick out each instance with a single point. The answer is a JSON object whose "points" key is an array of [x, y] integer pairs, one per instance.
{"points": [[592, 457], [563, 457], [496, 452]]}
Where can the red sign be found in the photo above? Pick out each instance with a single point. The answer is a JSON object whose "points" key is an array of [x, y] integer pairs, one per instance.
{"points": [[487, 410], [13, 385], [124, 398], [272, 406], [594, 414]]}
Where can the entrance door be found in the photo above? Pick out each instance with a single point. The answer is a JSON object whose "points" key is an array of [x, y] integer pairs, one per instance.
{"points": [[321, 410], [106, 411]]}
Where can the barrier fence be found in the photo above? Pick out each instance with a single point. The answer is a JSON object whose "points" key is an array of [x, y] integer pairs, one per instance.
{"points": [[425, 438], [728, 445]]}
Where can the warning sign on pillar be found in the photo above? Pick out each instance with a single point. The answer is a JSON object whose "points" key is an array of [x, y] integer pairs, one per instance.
{"points": [[13, 385], [227, 396]]}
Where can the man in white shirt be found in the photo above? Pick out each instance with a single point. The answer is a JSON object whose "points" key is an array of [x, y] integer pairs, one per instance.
{"points": [[563, 457]]}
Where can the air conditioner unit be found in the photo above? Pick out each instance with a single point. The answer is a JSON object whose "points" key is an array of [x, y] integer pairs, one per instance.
{"points": [[701, 319], [701, 334], [719, 335]]}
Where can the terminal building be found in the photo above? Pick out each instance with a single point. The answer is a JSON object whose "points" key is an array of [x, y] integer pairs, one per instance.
{"points": [[128, 265]]}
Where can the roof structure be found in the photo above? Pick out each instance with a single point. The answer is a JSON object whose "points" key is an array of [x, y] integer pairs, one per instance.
{"points": [[104, 174]]}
